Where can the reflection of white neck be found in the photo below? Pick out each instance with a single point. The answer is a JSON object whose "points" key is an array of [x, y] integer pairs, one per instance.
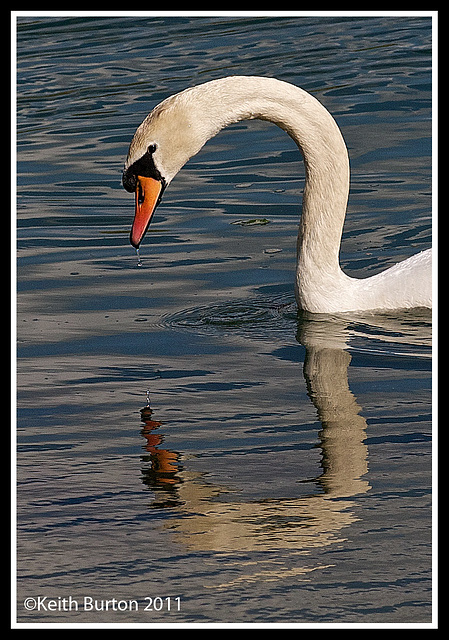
{"points": [[301, 523], [344, 429], [199, 113]]}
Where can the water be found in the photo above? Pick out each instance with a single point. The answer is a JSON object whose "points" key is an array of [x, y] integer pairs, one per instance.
{"points": [[182, 431]]}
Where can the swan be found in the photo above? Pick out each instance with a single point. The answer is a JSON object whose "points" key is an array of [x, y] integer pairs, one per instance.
{"points": [[178, 127]]}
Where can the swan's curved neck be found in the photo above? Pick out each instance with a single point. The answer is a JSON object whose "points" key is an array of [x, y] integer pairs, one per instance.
{"points": [[180, 125], [322, 146]]}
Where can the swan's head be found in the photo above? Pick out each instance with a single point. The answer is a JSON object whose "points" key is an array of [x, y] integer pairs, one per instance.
{"points": [[171, 134]]}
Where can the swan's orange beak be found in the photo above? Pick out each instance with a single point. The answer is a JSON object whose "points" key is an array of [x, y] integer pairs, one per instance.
{"points": [[148, 191]]}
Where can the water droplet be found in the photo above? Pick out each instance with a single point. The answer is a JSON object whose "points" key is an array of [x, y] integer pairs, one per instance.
{"points": [[139, 260], [148, 397]]}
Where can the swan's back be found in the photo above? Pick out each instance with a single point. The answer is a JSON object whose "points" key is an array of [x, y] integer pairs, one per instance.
{"points": [[414, 277], [405, 285]]}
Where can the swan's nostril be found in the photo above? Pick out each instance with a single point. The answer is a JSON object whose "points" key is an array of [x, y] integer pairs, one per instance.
{"points": [[140, 194]]}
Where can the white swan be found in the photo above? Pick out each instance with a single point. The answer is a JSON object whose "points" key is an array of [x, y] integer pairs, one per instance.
{"points": [[179, 126]]}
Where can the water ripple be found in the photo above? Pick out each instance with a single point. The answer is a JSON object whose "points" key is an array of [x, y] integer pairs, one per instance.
{"points": [[250, 317]]}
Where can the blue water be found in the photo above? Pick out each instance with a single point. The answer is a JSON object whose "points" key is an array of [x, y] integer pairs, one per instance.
{"points": [[283, 470]]}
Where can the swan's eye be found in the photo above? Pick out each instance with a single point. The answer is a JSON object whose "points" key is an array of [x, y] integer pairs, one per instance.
{"points": [[144, 166]]}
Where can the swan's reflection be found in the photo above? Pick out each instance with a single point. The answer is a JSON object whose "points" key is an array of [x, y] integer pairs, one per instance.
{"points": [[160, 472], [344, 459], [302, 523]]}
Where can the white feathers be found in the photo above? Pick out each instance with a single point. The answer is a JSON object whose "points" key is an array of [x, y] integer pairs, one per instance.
{"points": [[181, 125]]}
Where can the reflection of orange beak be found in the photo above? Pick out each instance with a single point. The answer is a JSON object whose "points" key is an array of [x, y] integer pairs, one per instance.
{"points": [[148, 191]]}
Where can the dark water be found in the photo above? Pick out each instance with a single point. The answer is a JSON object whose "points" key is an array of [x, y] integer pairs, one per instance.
{"points": [[284, 473]]}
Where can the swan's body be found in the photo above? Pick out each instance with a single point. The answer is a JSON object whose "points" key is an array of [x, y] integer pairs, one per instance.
{"points": [[180, 125]]}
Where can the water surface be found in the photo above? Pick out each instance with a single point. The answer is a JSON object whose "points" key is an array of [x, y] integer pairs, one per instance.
{"points": [[282, 471]]}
